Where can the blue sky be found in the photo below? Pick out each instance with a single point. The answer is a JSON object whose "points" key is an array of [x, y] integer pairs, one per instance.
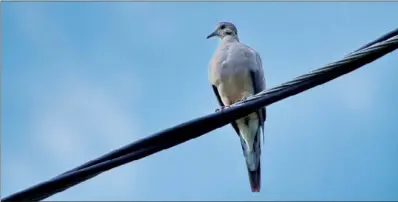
{"points": [[81, 79]]}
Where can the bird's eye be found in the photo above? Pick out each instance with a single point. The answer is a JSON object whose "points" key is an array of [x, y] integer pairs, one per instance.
{"points": [[222, 27]]}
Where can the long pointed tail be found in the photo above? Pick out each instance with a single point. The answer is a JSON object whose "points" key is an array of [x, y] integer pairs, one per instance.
{"points": [[252, 158], [255, 178]]}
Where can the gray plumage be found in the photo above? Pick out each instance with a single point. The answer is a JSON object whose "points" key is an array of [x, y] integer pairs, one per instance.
{"points": [[235, 72]]}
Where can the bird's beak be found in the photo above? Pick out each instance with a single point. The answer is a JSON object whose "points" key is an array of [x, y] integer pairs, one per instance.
{"points": [[211, 35]]}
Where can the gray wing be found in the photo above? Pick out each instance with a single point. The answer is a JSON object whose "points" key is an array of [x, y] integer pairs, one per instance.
{"points": [[222, 104], [257, 89], [258, 80]]}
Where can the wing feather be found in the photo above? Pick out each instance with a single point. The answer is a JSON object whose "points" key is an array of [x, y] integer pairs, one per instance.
{"points": [[234, 125]]}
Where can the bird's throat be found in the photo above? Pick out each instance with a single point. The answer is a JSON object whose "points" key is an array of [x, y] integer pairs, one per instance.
{"points": [[229, 39]]}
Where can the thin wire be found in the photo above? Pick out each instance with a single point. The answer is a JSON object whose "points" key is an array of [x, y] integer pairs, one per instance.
{"points": [[380, 39], [195, 128]]}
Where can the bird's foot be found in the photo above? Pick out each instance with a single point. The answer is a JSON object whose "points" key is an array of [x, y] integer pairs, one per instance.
{"points": [[242, 99], [222, 108]]}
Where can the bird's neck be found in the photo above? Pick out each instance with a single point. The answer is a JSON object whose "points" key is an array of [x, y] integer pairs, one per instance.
{"points": [[229, 39]]}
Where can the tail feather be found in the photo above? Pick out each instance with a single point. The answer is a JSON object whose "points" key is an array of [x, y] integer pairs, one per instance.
{"points": [[250, 137], [253, 163], [255, 179]]}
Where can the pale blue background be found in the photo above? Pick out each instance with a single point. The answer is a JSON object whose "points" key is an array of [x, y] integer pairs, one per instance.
{"points": [[81, 79]]}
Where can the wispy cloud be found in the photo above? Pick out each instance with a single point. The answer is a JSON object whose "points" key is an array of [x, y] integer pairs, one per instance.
{"points": [[79, 124], [76, 116]]}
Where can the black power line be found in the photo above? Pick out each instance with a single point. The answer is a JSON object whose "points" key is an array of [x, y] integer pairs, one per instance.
{"points": [[195, 128], [380, 39]]}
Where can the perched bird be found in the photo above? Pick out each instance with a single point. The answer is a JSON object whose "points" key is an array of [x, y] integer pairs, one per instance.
{"points": [[235, 72]]}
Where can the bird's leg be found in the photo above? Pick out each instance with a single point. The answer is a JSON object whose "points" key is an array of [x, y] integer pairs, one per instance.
{"points": [[228, 106], [222, 108], [243, 98]]}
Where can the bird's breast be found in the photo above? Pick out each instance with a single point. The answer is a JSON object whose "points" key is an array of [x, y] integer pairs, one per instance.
{"points": [[234, 84]]}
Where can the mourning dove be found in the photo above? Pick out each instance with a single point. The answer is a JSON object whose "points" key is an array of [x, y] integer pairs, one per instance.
{"points": [[235, 72]]}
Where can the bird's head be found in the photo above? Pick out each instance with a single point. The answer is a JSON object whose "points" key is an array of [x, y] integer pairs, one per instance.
{"points": [[224, 29]]}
